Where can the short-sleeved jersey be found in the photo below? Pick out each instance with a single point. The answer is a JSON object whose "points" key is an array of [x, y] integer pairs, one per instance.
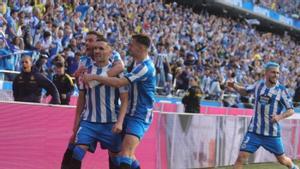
{"points": [[142, 89], [87, 61], [101, 102], [268, 102]]}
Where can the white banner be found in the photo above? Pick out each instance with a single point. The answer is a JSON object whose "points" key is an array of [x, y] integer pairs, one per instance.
{"points": [[197, 141]]}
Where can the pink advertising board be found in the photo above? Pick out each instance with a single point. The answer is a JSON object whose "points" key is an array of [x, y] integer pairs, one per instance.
{"points": [[36, 136]]}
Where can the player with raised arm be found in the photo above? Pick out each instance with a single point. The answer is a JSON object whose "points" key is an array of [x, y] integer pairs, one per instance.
{"points": [[271, 99]]}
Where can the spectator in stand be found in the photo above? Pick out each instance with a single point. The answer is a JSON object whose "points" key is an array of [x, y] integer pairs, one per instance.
{"points": [[41, 66], [12, 29], [296, 98], [210, 38], [191, 101], [4, 54], [63, 83], [27, 86]]}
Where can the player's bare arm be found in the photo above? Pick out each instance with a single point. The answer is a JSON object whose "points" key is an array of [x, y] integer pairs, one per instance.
{"points": [[109, 81], [288, 113], [79, 109], [123, 108], [240, 89], [118, 67]]}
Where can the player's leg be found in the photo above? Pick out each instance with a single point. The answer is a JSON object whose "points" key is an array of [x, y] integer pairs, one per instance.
{"points": [[250, 144], [135, 163], [126, 158], [134, 130], [78, 154], [275, 146], [129, 146], [286, 161], [85, 140], [242, 158], [111, 141], [67, 156], [111, 157]]}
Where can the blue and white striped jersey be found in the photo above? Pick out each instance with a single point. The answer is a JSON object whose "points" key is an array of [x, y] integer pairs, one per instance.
{"points": [[142, 89], [268, 102], [115, 57], [101, 102], [87, 61]]}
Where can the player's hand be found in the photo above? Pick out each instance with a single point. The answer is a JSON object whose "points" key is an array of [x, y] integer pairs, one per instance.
{"points": [[230, 84], [275, 118], [88, 77], [80, 71], [117, 128]]}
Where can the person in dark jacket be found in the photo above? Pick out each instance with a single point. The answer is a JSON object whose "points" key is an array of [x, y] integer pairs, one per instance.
{"points": [[28, 85], [63, 83], [191, 101], [296, 98]]}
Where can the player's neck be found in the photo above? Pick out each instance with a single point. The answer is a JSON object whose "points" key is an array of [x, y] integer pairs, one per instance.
{"points": [[269, 84], [141, 57], [27, 70], [102, 64]]}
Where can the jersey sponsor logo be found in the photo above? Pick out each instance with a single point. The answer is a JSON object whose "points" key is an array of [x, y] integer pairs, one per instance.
{"points": [[264, 99]]}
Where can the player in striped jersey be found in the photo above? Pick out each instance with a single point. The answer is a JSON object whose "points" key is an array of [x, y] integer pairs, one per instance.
{"points": [[101, 114], [87, 61], [142, 87], [271, 99]]}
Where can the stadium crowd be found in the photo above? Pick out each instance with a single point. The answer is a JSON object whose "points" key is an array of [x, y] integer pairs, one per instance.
{"points": [[290, 8], [190, 48]]}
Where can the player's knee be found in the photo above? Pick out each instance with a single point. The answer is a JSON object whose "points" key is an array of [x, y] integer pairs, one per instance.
{"points": [[127, 151], [79, 152]]}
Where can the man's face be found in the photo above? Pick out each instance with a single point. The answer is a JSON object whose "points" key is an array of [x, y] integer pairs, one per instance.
{"points": [[134, 48], [90, 41], [272, 75], [102, 51], [26, 63], [59, 70], [89, 44]]}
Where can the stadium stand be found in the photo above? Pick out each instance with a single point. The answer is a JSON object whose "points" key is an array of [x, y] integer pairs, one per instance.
{"points": [[187, 44]]}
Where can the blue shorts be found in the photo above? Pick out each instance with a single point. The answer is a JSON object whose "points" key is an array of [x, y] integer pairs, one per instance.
{"points": [[253, 141], [134, 126], [91, 133]]}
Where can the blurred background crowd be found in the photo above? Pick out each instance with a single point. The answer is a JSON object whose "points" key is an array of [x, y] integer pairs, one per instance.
{"points": [[190, 48], [286, 7]]}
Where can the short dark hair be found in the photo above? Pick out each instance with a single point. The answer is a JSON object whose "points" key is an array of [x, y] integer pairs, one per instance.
{"points": [[99, 36], [142, 39], [59, 64]]}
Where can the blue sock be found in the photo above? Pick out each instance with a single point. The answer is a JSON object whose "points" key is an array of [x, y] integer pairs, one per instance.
{"points": [[78, 153], [71, 146], [116, 160], [135, 164], [125, 160]]}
